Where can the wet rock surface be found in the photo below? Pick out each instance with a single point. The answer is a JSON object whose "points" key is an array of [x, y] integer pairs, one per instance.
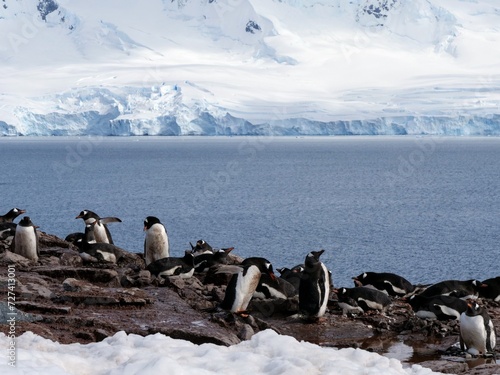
{"points": [[68, 299]]}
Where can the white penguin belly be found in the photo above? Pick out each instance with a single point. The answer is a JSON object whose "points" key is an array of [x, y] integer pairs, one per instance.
{"points": [[473, 333], [245, 288], [26, 242], [156, 246], [107, 256], [100, 233], [324, 297]]}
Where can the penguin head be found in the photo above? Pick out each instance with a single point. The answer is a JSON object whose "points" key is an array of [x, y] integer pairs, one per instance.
{"points": [[150, 221], [88, 216], [16, 212], [473, 308], [26, 222]]}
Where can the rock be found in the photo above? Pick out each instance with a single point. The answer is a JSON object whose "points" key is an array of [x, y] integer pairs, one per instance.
{"points": [[105, 277], [8, 258]]}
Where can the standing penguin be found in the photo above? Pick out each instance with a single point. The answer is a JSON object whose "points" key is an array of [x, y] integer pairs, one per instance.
{"points": [[101, 231], [11, 215], [25, 241], [477, 333], [243, 284], [314, 287], [156, 244]]}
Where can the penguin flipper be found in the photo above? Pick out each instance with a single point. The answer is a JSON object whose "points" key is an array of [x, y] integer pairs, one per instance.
{"points": [[106, 220]]}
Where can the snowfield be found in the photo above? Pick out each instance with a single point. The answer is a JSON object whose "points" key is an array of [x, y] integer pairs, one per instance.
{"points": [[259, 67]]}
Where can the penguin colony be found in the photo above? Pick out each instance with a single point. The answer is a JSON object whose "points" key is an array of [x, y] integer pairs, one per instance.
{"points": [[254, 278]]}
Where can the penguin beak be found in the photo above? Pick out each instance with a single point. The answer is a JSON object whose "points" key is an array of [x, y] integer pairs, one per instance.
{"points": [[272, 275], [228, 250], [145, 228], [22, 212], [78, 217]]}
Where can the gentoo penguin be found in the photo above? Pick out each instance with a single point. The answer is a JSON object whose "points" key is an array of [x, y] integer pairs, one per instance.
{"points": [[363, 297], [203, 262], [274, 288], [7, 230], [172, 266], [292, 276], [11, 215], [99, 250], [456, 288], [491, 289], [392, 284], [25, 241], [437, 307], [156, 244], [314, 287], [201, 247], [243, 284], [477, 333], [101, 231]]}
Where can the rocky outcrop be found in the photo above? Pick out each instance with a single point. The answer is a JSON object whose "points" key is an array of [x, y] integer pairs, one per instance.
{"points": [[69, 299]]}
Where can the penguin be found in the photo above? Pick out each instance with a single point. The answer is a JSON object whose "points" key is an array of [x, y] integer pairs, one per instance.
{"points": [[314, 287], [365, 298], [102, 234], [201, 247], [156, 244], [11, 215], [25, 241], [491, 289], [100, 250], [457, 288], [477, 333], [292, 276], [243, 284], [437, 307], [203, 262], [7, 231], [274, 288], [172, 266], [394, 285]]}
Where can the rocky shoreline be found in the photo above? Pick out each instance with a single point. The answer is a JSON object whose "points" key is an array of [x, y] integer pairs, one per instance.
{"points": [[68, 299]]}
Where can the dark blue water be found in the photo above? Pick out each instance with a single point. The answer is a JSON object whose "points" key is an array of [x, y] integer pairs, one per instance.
{"points": [[425, 208]]}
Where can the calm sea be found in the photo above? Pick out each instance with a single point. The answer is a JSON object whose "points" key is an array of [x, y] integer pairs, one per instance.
{"points": [[422, 207]]}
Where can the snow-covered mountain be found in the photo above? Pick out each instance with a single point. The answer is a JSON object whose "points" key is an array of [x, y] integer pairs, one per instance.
{"points": [[210, 67]]}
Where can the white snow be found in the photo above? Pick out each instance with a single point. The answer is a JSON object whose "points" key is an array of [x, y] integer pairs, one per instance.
{"points": [[126, 67], [266, 353]]}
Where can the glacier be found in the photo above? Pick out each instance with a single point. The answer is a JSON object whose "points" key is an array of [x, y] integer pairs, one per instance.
{"points": [[249, 67]]}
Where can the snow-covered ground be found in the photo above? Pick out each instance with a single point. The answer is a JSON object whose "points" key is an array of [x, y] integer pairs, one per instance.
{"points": [[176, 67], [266, 353]]}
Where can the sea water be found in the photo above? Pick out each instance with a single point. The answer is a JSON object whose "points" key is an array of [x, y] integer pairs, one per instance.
{"points": [[426, 208]]}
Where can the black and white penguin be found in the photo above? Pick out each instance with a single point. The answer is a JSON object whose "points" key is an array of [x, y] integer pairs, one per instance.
{"points": [[314, 287], [101, 231], [201, 247], [292, 276], [25, 241], [456, 288], [244, 282], [364, 297], [437, 307], [392, 284], [11, 215], [99, 250], [7, 231], [491, 289], [274, 288], [173, 266], [477, 333], [203, 262], [156, 243]]}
